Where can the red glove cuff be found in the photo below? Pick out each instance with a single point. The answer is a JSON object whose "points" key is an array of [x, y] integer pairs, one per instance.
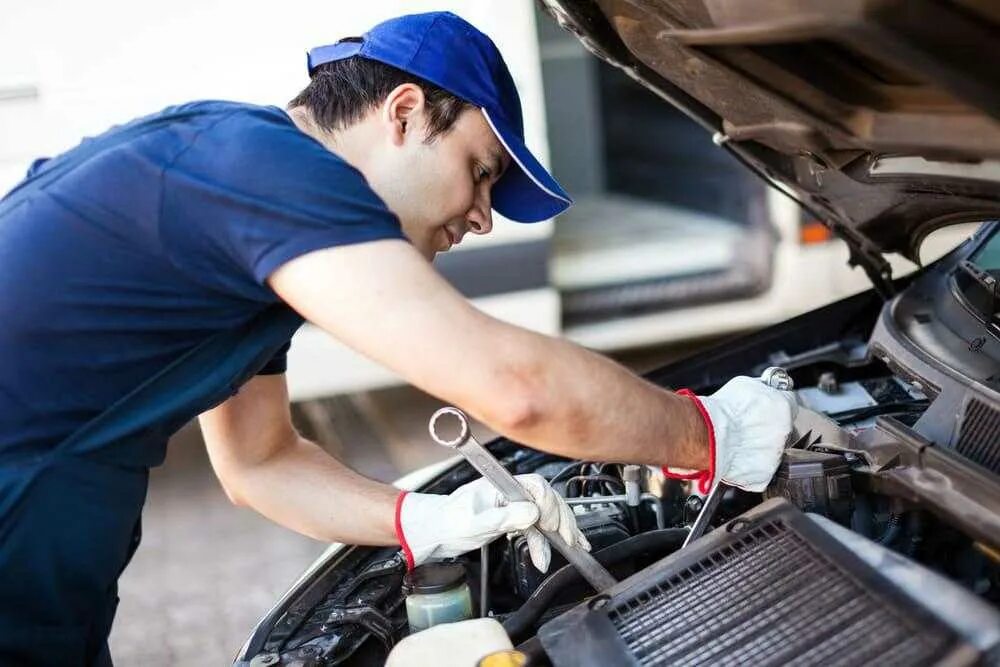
{"points": [[703, 477], [398, 525]]}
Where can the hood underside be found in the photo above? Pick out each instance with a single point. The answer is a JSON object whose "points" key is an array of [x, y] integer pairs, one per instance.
{"points": [[879, 116]]}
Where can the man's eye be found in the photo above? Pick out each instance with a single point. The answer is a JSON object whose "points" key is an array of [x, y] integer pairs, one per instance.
{"points": [[481, 172]]}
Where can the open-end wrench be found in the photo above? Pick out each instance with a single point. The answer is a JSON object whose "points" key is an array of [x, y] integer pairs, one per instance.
{"points": [[487, 465], [774, 377], [706, 513]]}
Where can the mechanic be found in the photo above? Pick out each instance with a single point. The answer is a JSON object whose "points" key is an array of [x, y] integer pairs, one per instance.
{"points": [[157, 272]]}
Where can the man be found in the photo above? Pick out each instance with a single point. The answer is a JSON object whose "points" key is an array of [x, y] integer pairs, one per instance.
{"points": [[147, 277]]}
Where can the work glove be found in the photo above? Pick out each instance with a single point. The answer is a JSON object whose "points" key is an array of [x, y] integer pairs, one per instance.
{"points": [[748, 427], [441, 526]]}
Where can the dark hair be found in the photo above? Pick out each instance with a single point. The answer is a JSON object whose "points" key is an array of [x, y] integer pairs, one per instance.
{"points": [[343, 91]]}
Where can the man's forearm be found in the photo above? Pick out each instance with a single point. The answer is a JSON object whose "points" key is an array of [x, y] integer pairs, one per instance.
{"points": [[587, 406], [305, 489]]}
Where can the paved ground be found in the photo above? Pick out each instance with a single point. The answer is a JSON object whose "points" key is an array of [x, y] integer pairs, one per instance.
{"points": [[208, 571], [205, 572]]}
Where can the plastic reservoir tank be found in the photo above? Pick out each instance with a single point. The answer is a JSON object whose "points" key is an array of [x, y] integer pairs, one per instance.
{"points": [[436, 593]]}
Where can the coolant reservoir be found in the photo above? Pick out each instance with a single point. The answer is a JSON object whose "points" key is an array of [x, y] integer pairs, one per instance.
{"points": [[436, 593]]}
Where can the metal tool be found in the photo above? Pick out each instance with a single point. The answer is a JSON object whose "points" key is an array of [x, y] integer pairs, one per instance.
{"points": [[706, 513], [480, 459], [484, 580], [775, 377]]}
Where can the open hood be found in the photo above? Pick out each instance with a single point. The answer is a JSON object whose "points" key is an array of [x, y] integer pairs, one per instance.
{"points": [[881, 117]]}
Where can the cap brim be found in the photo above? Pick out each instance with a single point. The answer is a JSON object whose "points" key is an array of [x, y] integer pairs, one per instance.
{"points": [[526, 192]]}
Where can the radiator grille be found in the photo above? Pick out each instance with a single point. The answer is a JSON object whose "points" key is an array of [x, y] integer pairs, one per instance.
{"points": [[979, 439], [769, 598]]}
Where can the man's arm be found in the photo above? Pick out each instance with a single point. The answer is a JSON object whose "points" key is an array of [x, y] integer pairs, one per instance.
{"points": [[263, 463], [385, 301]]}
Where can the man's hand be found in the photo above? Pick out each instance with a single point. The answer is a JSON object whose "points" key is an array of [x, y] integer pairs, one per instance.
{"points": [[750, 423], [438, 526]]}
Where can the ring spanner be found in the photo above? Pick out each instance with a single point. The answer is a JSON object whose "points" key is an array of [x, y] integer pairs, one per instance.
{"points": [[487, 465]]}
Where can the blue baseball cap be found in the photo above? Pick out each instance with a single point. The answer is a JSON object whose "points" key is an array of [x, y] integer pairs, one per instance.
{"points": [[449, 52]]}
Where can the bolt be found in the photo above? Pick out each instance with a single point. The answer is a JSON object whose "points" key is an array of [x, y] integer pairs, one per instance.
{"points": [[694, 503], [598, 602], [737, 526], [828, 383]]}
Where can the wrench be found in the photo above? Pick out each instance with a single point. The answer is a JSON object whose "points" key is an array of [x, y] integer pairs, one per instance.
{"points": [[487, 465], [774, 377], [706, 513]]}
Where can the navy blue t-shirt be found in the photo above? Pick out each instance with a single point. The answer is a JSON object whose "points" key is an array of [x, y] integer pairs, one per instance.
{"points": [[125, 252]]}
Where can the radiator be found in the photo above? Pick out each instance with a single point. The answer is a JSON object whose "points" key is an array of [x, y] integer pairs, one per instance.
{"points": [[770, 588]]}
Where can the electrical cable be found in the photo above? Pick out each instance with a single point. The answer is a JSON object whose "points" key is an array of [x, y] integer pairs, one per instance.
{"points": [[585, 479], [857, 414], [569, 467]]}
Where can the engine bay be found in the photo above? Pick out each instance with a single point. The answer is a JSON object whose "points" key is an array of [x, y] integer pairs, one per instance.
{"points": [[634, 518], [877, 541]]}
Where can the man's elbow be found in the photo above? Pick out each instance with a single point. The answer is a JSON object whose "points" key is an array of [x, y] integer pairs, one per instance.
{"points": [[519, 404], [236, 479], [231, 488], [516, 415]]}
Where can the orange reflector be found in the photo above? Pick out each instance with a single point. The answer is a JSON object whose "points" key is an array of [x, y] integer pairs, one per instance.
{"points": [[814, 231]]}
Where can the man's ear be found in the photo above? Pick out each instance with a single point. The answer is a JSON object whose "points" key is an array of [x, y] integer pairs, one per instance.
{"points": [[403, 111]]}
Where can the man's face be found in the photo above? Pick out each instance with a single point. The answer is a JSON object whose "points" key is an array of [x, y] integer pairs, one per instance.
{"points": [[440, 190]]}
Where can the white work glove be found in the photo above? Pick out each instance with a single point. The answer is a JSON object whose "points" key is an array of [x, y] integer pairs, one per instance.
{"points": [[437, 526], [749, 423]]}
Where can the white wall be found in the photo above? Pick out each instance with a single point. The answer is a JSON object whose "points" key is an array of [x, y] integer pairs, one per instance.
{"points": [[101, 62]]}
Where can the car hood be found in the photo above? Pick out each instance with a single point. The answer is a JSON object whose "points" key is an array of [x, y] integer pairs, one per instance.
{"points": [[879, 116]]}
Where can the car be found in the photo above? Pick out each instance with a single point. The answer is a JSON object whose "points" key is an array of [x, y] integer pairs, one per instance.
{"points": [[878, 540]]}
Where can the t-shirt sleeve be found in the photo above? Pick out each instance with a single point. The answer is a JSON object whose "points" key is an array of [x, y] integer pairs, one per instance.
{"points": [[278, 364], [252, 192]]}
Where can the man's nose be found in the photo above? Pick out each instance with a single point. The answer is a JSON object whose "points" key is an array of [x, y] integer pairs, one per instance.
{"points": [[480, 216]]}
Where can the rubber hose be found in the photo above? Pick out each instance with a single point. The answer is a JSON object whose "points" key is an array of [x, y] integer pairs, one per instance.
{"points": [[524, 618]]}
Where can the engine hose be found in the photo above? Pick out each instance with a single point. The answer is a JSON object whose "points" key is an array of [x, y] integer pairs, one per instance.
{"points": [[525, 618]]}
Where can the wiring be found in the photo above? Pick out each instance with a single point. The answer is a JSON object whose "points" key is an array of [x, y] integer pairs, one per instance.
{"points": [[857, 414], [585, 481]]}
